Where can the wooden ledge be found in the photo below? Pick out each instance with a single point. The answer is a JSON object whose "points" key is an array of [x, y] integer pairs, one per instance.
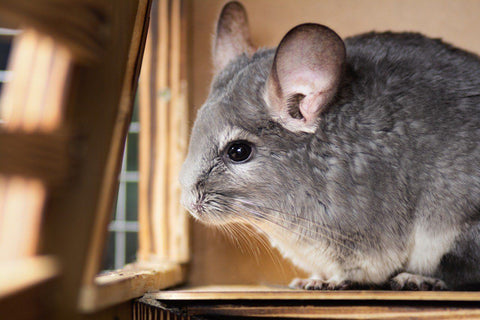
{"points": [[234, 302], [284, 293], [18, 275], [122, 285]]}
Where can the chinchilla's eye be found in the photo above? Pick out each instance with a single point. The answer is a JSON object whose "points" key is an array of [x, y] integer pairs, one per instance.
{"points": [[239, 151]]}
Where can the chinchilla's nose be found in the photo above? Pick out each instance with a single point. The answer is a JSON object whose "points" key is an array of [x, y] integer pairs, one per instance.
{"points": [[193, 203]]}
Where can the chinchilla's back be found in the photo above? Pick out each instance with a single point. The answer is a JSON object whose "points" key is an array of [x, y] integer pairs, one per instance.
{"points": [[419, 99]]}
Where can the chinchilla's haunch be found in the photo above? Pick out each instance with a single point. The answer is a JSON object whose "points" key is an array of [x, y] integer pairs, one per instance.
{"points": [[358, 159]]}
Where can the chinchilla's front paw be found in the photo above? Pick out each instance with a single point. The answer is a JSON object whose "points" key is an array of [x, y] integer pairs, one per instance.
{"points": [[316, 284], [414, 282]]}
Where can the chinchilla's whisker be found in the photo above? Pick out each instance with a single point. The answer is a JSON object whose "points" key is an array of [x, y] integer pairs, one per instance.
{"points": [[244, 226], [265, 218], [259, 213], [296, 216]]}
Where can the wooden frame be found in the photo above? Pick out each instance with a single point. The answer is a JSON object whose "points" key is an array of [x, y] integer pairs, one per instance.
{"points": [[103, 46]]}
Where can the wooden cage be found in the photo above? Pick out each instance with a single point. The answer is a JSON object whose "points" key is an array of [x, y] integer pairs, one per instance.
{"points": [[65, 113]]}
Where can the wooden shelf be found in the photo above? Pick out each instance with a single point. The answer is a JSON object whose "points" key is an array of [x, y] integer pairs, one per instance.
{"points": [[284, 293], [125, 284], [224, 302]]}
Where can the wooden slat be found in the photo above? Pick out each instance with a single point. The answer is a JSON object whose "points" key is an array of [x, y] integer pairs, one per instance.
{"points": [[83, 32], [334, 312], [122, 118], [164, 135], [21, 218], [160, 147], [33, 151], [15, 92], [41, 156], [276, 302], [33, 100], [178, 133], [279, 293], [145, 310], [123, 285], [146, 97], [16, 275]]}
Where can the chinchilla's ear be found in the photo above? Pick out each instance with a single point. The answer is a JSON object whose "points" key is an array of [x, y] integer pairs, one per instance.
{"points": [[232, 36], [306, 72]]}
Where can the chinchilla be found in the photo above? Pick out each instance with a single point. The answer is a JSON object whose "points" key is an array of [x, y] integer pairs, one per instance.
{"points": [[359, 160]]}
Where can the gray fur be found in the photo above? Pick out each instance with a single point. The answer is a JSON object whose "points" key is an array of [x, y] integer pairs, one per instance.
{"points": [[397, 151]]}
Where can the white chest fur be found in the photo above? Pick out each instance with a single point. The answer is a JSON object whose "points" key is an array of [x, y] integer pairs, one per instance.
{"points": [[428, 247]]}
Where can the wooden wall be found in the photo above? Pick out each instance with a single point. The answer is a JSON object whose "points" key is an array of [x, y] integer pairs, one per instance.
{"points": [[216, 259]]}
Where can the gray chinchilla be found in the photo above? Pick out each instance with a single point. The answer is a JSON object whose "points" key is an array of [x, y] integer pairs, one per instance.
{"points": [[359, 160]]}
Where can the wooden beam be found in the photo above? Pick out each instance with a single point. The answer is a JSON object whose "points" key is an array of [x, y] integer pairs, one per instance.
{"points": [[119, 286], [98, 110]]}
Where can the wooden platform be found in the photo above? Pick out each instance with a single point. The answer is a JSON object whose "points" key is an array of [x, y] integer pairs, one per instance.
{"points": [[234, 302]]}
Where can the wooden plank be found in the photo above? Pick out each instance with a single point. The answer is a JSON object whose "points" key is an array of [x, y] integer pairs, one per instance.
{"points": [[123, 285], [281, 293], [146, 98], [334, 312], [178, 133], [164, 136], [21, 218], [15, 91], [41, 155], [160, 143], [119, 132], [17, 275]]}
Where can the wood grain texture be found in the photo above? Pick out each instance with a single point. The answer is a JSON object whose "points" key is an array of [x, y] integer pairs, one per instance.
{"points": [[41, 156], [285, 294], [115, 149], [163, 94], [234, 302], [83, 32], [120, 286], [16, 275], [33, 148]]}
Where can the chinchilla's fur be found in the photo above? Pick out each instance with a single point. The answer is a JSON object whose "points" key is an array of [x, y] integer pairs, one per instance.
{"points": [[385, 189]]}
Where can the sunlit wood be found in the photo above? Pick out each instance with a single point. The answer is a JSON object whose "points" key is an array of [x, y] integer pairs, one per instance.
{"points": [[23, 106], [178, 133], [16, 275], [116, 147], [163, 135], [159, 198], [119, 286], [83, 32], [146, 98]]}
